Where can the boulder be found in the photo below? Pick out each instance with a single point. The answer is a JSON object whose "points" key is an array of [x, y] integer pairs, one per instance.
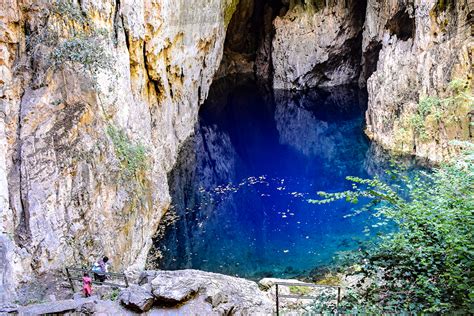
{"points": [[224, 293], [88, 308], [57, 307], [146, 276], [137, 298], [8, 308]]}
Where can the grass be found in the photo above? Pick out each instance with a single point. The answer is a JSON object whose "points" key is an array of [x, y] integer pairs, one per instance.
{"points": [[330, 279], [300, 290]]}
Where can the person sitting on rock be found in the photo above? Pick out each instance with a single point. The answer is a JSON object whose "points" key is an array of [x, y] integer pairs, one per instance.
{"points": [[87, 284], [100, 269]]}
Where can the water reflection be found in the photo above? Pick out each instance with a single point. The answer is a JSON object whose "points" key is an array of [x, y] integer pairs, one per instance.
{"points": [[242, 182]]}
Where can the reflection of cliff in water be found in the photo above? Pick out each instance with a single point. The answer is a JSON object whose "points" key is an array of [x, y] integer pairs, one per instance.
{"points": [[324, 125], [241, 184]]}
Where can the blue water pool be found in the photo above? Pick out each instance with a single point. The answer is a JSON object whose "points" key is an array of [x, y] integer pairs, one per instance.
{"points": [[241, 186]]}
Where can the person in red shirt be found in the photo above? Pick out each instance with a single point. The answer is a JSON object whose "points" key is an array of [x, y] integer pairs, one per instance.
{"points": [[87, 284]]}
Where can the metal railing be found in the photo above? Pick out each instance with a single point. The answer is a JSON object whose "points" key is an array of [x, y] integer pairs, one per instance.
{"points": [[72, 278], [302, 297]]}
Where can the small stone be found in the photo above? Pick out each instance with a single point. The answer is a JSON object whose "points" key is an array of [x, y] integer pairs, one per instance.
{"points": [[87, 308], [136, 298], [8, 308]]}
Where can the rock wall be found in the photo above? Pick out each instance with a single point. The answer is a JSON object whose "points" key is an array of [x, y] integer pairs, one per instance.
{"points": [[414, 57], [318, 45], [95, 99], [248, 44], [422, 51]]}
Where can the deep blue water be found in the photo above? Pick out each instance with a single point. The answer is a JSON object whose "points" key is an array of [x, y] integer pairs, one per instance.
{"points": [[242, 183]]}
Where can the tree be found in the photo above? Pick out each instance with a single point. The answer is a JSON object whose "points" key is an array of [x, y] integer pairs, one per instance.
{"points": [[426, 264]]}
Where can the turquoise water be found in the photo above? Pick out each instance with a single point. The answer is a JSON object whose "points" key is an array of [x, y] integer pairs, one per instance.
{"points": [[241, 187]]}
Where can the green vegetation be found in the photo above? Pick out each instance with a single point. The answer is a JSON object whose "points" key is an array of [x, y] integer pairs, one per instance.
{"points": [[442, 5], [114, 294], [427, 264], [300, 290], [75, 39], [86, 50], [441, 109], [229, 11], [132, 156], [67, 10], [330, 279]]}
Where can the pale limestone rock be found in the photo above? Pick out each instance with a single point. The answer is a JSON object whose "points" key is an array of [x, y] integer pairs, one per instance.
{"points": [[136, 298], [63, 197], [224, 293], [316, 47], [57, 307], [422, 49]]}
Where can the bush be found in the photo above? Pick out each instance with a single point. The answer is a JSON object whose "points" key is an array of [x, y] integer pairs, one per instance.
{"points": [[443, 109], [426, 265], [132, 156], [87, 50], [66, 9]]}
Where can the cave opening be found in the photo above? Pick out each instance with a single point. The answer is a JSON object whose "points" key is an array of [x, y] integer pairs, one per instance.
{"points": [[370, 60], [248, 43], [241, 185], [251, 40], [402, 24]]}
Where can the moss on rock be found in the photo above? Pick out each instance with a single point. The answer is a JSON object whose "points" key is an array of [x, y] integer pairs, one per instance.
{"points": [[229, 11]]}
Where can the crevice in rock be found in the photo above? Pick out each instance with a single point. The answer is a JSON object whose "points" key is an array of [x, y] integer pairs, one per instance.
{"points": [[247, 47], [22, 230], [156, 84], [370, 59], [127, 35], [116, 21]]}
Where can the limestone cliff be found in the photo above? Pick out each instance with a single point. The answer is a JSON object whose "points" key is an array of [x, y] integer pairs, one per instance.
{"points": [[97, 96], [420, 95], [317, 44], [95, 99], [415, 57]]}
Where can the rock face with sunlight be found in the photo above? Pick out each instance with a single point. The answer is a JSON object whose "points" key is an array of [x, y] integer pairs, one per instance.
{"points": [[422, 56], [100, 100], [317, 45], [96, 98]]}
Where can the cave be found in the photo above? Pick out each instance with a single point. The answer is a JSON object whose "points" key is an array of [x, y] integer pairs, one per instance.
{"points": [[250, 40], [247, 47], [241, 184], [218, 135], [263, 149], [402, 25]]}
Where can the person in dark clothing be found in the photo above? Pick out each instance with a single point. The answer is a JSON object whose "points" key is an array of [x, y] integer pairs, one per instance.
{"points": [[100, 269]]}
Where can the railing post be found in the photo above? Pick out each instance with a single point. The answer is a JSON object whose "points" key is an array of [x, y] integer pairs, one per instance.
{"points": [[126, 280], [70, 280], [338, 296], [277, 303]]}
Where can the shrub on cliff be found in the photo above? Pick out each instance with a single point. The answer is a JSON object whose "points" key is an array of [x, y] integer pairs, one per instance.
{"points": [[85, 50], [426, 265], [132, 156]]}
